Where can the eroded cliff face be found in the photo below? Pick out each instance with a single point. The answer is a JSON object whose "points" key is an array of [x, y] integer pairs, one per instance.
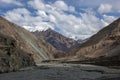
{"points": [[12, 57], [106, 43], [27, 41]]}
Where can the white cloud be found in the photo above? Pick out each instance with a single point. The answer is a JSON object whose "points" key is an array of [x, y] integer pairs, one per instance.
{"points": [[15, 2], [16, 15], [41, 13], [105, 8], [95, 3], [61, 5], [71, 9], [53, 16], [108, 19], [23, 17], [37, 4]]}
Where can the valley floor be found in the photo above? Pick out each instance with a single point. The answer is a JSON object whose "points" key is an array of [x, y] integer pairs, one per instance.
{"points": [[64, 71]]}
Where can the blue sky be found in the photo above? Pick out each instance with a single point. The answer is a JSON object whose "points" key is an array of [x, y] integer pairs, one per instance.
{"points": [[78, 19]]}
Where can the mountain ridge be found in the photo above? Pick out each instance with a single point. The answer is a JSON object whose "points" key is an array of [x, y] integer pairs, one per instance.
{"points": [[102, 45], [56, 39], [27, 41]]}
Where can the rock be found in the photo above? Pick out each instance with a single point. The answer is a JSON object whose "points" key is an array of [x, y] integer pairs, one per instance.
{"points": [[12, 57]]}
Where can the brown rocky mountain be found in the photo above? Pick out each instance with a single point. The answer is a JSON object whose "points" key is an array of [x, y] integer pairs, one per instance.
{"points": [[103, 46], [56, 39], [27, 41], [11, 56]]}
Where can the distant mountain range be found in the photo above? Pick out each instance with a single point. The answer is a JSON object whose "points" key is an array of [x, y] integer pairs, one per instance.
{"points": [[20, 48], [56, 39]]}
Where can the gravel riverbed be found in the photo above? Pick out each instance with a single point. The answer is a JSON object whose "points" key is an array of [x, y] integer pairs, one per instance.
{"points": [[46, 71]]}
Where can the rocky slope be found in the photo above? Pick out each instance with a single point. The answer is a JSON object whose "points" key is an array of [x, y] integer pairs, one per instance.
{"points": [[56, 39], [11, 56], [27, 41], [105, 45]]}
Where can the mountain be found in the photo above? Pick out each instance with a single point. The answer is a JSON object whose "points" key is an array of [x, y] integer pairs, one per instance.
{"points": [[79, 41], [12, 57], [57, 40], [105, 45], [27, 41]]}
